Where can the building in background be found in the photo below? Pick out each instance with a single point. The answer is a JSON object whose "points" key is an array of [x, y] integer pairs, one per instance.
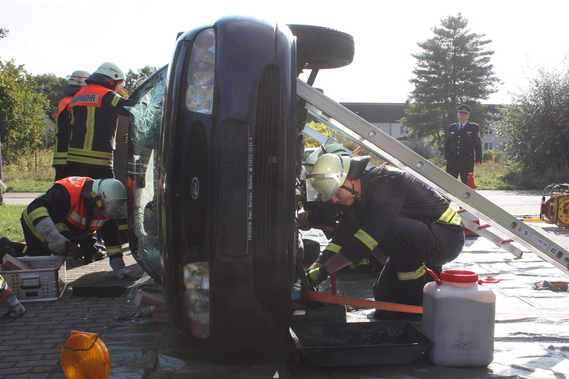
{"points": [[386, 116]]}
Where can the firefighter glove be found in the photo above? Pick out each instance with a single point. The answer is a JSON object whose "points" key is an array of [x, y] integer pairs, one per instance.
{"points": [[56, 242], [73, 250], [119, 269], [317, 275]]}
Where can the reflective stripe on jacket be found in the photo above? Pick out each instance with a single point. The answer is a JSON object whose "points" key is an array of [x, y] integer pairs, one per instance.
{"points": [[94, 115]]}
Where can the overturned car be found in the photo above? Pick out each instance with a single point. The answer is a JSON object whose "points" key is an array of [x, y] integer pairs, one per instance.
{"points": [[215, 149]]}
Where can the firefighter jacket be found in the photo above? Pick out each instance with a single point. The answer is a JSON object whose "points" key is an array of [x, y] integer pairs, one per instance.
{"points": [[387, 194], [464, 146], [62, 131], [94, 114], [68, 203]]}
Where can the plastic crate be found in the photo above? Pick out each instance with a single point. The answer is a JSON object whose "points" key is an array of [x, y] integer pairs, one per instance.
{"points": [[44, 280], [360, 343]]}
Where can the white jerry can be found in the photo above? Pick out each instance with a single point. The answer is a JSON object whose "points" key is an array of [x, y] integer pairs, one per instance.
{"points": [[458, 317]]}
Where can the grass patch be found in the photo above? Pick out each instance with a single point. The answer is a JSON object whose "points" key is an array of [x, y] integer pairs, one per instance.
{"points": [[10, 222], [30, 174]]}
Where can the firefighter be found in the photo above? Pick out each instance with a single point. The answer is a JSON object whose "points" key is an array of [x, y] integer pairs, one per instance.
{"points": [[94, 114], [62, 123], [390, 210], [95, 111], [71, 209], [326, 215], [8, 297]]}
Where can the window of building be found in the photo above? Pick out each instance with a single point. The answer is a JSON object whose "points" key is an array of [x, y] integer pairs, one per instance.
{"points": [[403, 130], [488, 146]]}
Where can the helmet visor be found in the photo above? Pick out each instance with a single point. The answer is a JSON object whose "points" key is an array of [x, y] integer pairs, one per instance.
{"points": [[326, 184], [115, 208]]}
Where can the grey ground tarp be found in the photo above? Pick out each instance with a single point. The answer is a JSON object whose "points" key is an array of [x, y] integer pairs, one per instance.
{"points": [[531, 332]]}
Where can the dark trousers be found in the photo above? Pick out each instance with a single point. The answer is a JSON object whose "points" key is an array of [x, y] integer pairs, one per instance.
{"points": [[93, 172], [61, 172], [409, 244], [456, 169]]}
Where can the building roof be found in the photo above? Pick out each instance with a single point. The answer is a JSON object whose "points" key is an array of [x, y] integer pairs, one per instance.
{"points": [[387, 113], [378, 113]]}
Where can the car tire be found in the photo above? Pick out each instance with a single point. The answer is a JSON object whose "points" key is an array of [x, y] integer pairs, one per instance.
{"points": [[321, 48]]}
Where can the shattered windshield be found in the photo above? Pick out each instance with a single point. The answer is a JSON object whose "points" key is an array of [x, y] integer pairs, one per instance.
{"points": [[144, 134]]}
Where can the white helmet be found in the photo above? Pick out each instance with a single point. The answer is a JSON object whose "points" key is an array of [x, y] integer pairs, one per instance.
{"points": [[78, 77], [110, 196], [111, 70], [328, 174]]}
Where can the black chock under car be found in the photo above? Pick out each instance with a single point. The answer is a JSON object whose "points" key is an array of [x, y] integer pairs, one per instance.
{"points": [[215, 147]]}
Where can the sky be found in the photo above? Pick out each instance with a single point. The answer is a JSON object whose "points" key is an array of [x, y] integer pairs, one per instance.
{"points": [[60, 36]]}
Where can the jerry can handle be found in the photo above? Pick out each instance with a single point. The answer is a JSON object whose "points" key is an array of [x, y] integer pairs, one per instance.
{"points": [[434, 275]]}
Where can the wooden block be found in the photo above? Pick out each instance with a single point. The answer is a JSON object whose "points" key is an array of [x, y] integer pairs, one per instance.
{"points": [[160, 315], [11, 263], [144, 299]]}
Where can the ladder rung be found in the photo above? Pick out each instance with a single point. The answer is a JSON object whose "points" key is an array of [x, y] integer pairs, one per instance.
{"points": [[507, 241], [486, 226]]}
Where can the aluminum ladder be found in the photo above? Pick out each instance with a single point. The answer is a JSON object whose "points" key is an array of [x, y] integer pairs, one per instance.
{"points": [[499, 226]]}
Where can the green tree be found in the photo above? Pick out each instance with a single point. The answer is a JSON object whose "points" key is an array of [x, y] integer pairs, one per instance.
{"points": [[52, 88], [133, 78], [22, 112], [535, 126], [453, 68]]}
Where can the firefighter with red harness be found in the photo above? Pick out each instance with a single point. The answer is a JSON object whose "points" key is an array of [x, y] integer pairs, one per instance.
{"points": [[94, 114], [62, 123], [75, 207]]}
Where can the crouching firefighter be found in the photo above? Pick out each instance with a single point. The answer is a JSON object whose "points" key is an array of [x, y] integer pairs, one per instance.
{"points": [[390, 210], [73, 208]]}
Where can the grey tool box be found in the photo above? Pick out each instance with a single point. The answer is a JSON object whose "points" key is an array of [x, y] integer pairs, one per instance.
{"points": [[44, 280]]}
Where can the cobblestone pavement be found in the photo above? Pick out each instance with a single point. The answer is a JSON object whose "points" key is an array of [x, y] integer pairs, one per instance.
{"points": [[31, 344]]}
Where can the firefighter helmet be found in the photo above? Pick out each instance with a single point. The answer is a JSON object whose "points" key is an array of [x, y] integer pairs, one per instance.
{"points": [[110, 196], [312, 158], [78, 77], [328, 174], [111, 70]]}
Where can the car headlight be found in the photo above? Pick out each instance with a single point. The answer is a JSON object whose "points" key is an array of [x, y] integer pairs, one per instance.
{"points": [[201, 73], [197, 298]]}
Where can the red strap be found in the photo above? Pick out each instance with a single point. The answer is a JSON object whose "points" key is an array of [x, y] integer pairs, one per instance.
{"points": [[360, 303]]}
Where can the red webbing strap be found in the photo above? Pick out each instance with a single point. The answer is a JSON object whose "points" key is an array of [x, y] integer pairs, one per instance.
{"points": [[360, 303]]}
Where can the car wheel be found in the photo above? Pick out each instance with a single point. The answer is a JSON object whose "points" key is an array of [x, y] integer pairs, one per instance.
{"points": [[321, 48]]}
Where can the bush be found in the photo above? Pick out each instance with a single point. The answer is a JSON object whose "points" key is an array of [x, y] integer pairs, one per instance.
{"points": [[491, 156]]}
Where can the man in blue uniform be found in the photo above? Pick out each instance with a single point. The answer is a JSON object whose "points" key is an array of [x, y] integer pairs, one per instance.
{"points": [[463, 147]]}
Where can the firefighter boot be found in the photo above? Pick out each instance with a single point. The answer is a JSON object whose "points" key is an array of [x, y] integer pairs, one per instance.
{"points": [[409, 292], [15, 308]]}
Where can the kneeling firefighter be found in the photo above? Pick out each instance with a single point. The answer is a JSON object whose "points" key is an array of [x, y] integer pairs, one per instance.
{"points": [[390, 210], [71, 209]]}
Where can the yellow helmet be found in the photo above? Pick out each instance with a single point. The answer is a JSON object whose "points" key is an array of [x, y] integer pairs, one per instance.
{"points": [[313, 157], [328, 174]]}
